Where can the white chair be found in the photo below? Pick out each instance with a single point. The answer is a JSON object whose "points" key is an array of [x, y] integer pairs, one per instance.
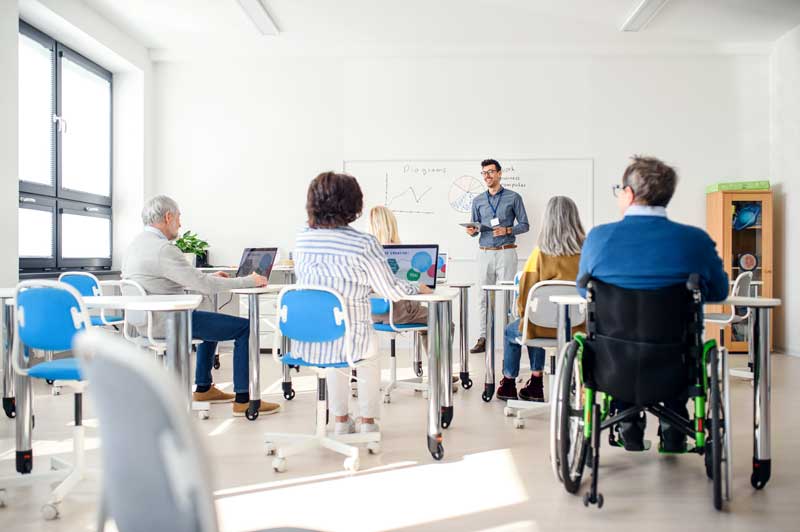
{"points": [[316, 315], [540, 311], [741, 288], [156, 474]]}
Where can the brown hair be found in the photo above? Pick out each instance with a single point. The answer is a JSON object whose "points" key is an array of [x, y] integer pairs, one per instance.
{"points": [[652, 181], [333, 200]]}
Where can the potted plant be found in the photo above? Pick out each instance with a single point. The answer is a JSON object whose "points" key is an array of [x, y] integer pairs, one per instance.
{"points": [[194, 249]]}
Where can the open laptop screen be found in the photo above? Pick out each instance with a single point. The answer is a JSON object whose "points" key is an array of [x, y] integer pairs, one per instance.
{"points": [[414, 263], [259, 260], [441, 268]]}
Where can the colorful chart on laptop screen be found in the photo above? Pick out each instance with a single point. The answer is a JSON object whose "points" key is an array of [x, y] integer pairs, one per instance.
{"points": [[416, 264]]}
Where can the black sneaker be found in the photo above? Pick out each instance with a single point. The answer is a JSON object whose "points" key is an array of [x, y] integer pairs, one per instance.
{"points": [[533, 390], [631, 434], [507, 389]]}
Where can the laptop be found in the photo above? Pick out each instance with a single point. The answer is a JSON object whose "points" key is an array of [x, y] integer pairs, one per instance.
{"points": [[414, 263], [258, 260], [441, 268]]}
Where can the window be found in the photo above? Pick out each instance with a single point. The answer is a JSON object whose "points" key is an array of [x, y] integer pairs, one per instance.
{"points": [[65, 218]]}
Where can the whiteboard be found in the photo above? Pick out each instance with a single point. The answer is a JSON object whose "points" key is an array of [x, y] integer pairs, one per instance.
{"points": [[430, 198]]}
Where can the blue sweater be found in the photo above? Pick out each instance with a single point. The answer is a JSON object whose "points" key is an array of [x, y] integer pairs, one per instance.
{"points": [[649, 252]]}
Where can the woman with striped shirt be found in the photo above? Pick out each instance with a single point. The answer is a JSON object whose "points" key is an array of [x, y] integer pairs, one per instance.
{"points": [[332, 254]]}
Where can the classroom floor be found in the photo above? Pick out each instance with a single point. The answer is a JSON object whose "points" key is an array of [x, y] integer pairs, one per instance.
{"points": [[493, 477]]}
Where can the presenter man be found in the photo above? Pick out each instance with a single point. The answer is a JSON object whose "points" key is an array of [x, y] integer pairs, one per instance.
{"points": [[495, 211]]}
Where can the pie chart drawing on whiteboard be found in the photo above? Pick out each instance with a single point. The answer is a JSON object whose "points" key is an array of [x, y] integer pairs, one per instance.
{"points": [[463, 191]]}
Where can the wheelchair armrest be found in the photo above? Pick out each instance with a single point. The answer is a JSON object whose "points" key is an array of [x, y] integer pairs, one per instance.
{"points": [[583, 281], [693, 283]]}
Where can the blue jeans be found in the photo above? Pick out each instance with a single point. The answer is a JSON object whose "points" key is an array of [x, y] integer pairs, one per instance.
{"points": [[513, 353], [213, 327]]}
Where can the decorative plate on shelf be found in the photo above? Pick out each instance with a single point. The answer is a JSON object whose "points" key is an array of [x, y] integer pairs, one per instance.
{"points": [[748, 262]]}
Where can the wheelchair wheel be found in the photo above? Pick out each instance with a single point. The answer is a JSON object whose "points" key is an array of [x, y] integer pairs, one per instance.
{"points": [[717, 431], [555, 416], [571, 441]]}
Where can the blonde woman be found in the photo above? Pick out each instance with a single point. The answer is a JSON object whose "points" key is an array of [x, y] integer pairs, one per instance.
{"points": [[555, 258]]}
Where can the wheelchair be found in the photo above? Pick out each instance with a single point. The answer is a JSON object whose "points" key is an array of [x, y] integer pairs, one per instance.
{"points": [[642, 347]]}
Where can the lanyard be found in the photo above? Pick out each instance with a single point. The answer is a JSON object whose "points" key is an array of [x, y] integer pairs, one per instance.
{"points": [[489, 200]]}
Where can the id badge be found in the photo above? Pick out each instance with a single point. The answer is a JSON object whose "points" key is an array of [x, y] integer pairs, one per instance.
{"points": [[495, 222]]}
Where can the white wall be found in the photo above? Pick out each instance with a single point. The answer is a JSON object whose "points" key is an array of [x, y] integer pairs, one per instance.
{"points": [[785, 170], [8, 142], [238, 141]]}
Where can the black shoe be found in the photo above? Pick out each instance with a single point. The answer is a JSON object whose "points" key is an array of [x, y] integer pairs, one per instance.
{"points": [[672, 441], [480, 346], [533, 390], [631, 434], [507, 389]]}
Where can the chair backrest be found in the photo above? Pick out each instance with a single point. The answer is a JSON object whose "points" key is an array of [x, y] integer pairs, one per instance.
{"points": [[379, 305], [136, 318], [84, 282], [155, 470], [741, 288], [313, 314], [543, 312], [643, 345], [517, 277], [48, 314]]}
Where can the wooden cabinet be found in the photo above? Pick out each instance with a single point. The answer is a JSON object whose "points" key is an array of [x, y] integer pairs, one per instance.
{"points": [[754, 236]]}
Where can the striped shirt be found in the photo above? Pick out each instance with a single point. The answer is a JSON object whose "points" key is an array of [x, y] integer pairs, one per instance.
{"points": [[353, 264]]}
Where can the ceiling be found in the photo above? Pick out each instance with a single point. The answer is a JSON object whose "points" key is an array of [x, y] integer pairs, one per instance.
{"points": [[176, 28]]}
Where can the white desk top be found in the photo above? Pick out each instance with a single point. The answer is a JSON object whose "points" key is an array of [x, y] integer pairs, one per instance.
{"points": [[573, 299], [459, 285], [499, 287], [156, 303], [753, 302], [269, 289], [5, 293], [440, 294], [283, 268]]}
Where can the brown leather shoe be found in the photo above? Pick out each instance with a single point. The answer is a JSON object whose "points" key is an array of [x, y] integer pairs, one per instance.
{"points": [[213, 395], [480, 346], [264, 410]]}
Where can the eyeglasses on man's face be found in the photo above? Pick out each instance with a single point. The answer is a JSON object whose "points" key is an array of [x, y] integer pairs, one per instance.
{"points": [[485, 173], [617, 189]]}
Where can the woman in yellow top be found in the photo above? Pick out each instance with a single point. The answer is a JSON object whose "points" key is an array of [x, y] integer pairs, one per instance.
{"points": [[555, 258]]}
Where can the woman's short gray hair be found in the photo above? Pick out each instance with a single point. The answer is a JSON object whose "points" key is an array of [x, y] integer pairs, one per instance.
{"points": [[156, 209], [562, 232]]}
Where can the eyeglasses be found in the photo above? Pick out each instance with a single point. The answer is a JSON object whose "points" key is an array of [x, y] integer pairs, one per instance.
{"points": [[617, 189], [484, 173]]}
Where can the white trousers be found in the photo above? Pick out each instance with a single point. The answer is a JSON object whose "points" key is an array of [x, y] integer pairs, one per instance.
{"points": [[369, 385], [494, 266]]}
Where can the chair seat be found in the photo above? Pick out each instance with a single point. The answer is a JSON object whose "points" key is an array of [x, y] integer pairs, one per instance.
{"points": [[97, 321], [385, 327], [537, 342], [713, 317], [65, 369], [289, 360]]}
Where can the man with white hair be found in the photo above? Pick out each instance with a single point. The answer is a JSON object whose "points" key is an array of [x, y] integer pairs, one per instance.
{"points": [[153, 261]]}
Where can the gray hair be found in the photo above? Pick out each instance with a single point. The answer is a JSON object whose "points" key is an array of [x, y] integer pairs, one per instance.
{"points": [[156, 209], [562, 232]]}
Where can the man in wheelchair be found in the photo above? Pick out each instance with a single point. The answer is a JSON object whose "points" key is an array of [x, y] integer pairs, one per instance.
{"points": [[645, 279]]}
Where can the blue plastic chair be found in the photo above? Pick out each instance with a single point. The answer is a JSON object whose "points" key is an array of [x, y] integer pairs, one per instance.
{"points": [[88, 285], [48, 315], [315, 314], [380, 305]]}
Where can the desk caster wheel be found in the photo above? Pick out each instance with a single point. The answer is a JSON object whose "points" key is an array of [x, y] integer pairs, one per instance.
{"points": [[288, 391], [387, 399], [519, 423], [279, 465], [466, 382], [202, 414], [761, 473], [216, 362], [252, 410], [374, 447], [351, 464], [10, 407], [507, 411], [438, 453], [49, 381], [418, 369], [269, 448], [447, 416], [55, 390], [49, 512], [435, 447]]}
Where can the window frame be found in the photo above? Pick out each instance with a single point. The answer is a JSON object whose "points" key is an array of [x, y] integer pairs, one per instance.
{"points": [[56, 198]]}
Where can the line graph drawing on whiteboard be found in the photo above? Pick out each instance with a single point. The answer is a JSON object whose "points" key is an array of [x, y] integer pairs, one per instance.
{"points": [[463, 191], [408, 200]]}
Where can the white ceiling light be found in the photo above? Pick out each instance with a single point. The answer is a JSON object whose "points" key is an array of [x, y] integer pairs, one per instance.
{"points": [[644, 13], [258, 13]]}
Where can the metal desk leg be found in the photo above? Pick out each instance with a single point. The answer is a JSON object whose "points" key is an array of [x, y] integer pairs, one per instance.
{"points": [[254, 352], [463, 348], [215, 303], [759, 332], [288, 391], [7, 324], [24, 421], [445, 341], [508, 298], [178, 349], [434, 381], [488, 386]]}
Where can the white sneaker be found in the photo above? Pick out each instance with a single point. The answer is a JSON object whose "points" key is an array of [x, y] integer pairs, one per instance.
{"points": [[345, 427], [369, 427]]}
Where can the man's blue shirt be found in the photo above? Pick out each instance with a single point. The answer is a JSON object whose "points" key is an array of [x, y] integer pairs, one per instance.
{"points": [[645, 251], [505, 205]]}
